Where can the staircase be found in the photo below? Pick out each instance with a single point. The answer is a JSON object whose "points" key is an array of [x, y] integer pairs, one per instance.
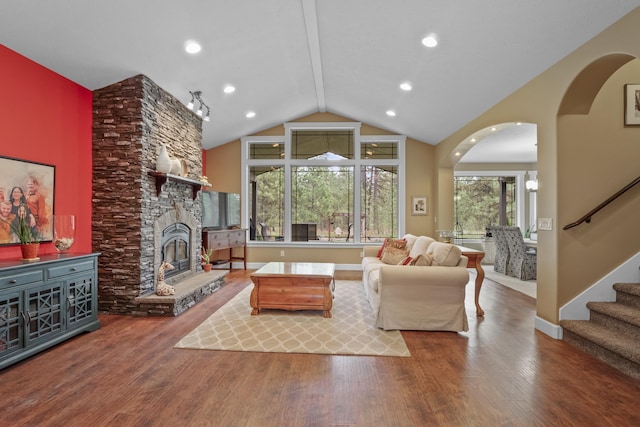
{"points": [[613, 332]]}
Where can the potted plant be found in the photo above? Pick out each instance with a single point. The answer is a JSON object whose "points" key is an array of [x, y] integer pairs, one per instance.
{"points": [[206, 259], [28, 238]]}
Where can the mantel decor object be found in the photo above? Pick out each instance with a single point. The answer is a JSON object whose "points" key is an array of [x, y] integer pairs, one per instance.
{"points": [[163, 163], [64, 231]]}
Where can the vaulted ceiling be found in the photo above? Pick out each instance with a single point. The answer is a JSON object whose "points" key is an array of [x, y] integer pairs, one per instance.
{"points": [[290, 58]]}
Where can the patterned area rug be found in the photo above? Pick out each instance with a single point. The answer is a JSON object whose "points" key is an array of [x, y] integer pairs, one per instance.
{"points": [[528, 287], [350, 330]]}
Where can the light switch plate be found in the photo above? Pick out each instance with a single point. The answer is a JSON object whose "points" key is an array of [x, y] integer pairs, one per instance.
{"points": [[545, 224]]}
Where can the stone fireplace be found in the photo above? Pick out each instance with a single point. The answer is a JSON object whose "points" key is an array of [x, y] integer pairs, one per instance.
{"points": [[138, 221], [174, 234]]}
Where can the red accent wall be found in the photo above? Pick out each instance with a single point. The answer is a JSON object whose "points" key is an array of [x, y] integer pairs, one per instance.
{"points": [[47, 118]]}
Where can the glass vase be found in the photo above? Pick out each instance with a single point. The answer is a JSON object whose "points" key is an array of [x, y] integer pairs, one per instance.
{"points": [[64, 231]]}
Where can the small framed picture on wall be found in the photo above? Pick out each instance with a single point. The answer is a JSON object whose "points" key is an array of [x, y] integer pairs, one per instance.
{"points": [[419, 205], [632, 105]]}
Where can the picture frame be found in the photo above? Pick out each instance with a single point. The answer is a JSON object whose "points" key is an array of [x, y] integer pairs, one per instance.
{"points": [[419, 205], [36, 182], [632, 104]]}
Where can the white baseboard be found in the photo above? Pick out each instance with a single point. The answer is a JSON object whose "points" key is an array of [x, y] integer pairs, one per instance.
{"points": [[554, 331]]}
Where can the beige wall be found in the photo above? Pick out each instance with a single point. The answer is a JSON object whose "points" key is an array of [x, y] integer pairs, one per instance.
{"points": [[223, 171], [581, 162]]}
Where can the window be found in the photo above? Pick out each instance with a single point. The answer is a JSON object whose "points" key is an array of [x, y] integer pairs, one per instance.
{"points": [[481, 200], [323, 183]]}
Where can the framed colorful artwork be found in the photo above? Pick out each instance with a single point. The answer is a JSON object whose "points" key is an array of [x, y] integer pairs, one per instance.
{"points": [[26, 190]]}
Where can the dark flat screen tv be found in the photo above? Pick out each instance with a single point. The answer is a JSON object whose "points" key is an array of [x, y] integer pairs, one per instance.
{"points": [[220, 210]]}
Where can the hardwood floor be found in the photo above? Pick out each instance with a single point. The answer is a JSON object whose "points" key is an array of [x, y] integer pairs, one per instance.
{"points": [[500, 373]]}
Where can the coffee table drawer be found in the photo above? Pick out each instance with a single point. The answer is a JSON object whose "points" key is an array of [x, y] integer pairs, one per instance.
{"points": [[291, 295]]}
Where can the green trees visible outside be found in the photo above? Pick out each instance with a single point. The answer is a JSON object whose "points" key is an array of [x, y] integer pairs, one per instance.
{"points": [[269, 199], [325, 196], [481, 201], [317, 193], [379, 201]]}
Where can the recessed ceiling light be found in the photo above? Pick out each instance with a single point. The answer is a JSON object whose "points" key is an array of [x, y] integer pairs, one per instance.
{"points": [[473, 140], [430, 41], [458, 153], [251, 114], [405, 86], [229, 89], [518, 123], [391, 113], [192, 47], [493, 129]]}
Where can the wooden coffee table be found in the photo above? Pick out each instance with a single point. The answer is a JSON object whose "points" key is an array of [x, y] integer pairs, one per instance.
{"points": [[293, 286]]}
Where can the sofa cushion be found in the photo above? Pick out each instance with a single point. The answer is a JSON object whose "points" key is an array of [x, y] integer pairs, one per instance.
{"points": [[411, 240], [392, 255], [420, 246], [422, 260], [393, 243], [444, 254]]}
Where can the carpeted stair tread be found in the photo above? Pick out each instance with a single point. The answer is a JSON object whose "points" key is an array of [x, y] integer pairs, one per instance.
{"points": [[625, 313], [603, 336], [629, 288]]}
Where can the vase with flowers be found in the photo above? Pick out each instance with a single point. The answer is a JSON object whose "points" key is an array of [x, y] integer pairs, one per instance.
{"points": [[206, 259]]}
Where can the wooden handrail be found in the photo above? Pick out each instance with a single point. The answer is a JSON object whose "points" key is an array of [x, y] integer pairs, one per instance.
{"points": [[587, 217]]}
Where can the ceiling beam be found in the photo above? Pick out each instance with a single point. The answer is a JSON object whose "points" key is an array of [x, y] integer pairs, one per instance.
{"points": [[313, 42]]}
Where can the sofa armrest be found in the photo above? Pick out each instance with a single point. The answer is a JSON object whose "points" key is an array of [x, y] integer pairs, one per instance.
{"points": [[370, 251]]}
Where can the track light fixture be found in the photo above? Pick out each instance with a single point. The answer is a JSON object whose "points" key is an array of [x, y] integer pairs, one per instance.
{"points": [[197, 96]]}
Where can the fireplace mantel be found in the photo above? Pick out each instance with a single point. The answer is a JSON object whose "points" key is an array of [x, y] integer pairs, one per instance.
{"points": [[161, 178]]}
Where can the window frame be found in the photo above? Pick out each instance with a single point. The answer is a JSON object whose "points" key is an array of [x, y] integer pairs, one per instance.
{"points": [[287, 163]]}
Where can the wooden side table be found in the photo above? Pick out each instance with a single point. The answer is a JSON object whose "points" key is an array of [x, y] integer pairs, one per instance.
{"points": [[475, 261], [220, 240]]}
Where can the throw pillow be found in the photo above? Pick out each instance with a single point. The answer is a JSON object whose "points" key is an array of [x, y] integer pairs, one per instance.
{"points": [[393, 243], [393, 255], [444, 254], [422, 260], [405, 261]]}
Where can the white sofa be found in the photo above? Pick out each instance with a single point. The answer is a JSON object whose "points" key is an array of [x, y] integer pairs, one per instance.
{"points": [[418, 297]]}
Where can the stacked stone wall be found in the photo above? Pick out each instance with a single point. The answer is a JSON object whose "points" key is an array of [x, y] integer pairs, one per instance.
{"points": [[131, 119]]}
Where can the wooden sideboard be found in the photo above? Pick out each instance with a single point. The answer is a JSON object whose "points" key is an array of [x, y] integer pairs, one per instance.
{"points": [[225, 241], [46, 302]]}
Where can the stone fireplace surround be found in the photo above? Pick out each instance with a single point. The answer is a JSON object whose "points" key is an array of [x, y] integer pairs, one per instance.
{"points": [[131, 119]]}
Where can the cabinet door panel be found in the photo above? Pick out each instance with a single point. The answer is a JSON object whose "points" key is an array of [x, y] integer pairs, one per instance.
{"points": [[80, 299], [44, 312], [11, 332]]}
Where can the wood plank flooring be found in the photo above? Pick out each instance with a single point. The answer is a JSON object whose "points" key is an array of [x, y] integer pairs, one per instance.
{"points": [[500, 373]]}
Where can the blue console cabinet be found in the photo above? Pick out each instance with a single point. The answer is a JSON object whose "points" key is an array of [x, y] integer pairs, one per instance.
{"points": [[46, 302]]}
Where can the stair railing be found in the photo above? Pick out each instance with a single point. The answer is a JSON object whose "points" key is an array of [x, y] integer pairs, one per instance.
{"points": [[587, 217]]}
